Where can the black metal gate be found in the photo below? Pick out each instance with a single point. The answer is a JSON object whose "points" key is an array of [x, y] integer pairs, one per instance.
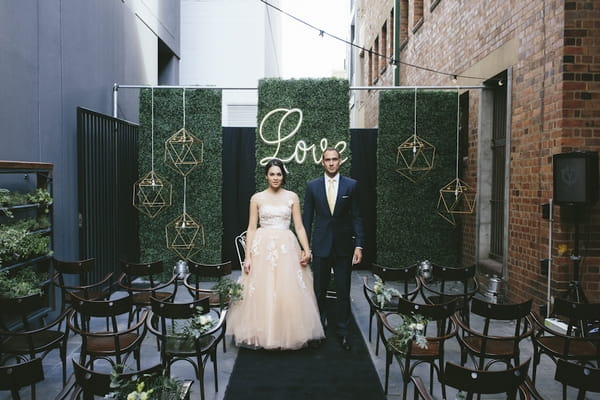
{"points": [[107, 171]]}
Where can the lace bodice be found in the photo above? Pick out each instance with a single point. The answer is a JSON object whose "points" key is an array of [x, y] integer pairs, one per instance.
{"points": [[275, 211]]}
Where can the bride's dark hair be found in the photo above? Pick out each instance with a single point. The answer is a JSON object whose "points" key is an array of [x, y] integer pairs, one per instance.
{"points": [[275, 162]]}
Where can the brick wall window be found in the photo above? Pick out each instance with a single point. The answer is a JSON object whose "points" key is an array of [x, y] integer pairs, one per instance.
{"points": [[384, 48], [370, 67], [376, 59], [417, 13], [403, 34], [391, 37]]}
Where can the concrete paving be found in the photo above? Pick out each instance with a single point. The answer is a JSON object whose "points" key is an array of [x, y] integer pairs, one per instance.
{"points": [[52, 385]]}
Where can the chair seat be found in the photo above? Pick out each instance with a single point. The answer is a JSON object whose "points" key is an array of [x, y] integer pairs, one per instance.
{"points": [[41, 341], [433, 350], [143, 298], [87, 295], [106, 345], [185, 346], [493, 348], [579, 349]]}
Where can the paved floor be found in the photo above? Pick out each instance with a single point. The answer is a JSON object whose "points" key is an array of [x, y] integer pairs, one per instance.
{"points": [[52, 385]]}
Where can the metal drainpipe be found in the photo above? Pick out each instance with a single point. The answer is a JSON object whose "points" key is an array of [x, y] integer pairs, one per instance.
{"points": [[397, 42]]}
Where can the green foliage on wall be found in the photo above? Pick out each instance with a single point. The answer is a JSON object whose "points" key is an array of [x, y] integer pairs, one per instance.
{"points": [[408, 227], [324, 105], [204, 184]]}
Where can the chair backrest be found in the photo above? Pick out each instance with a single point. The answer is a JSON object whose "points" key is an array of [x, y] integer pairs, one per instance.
{"points": [[95, 383], [443, 274], [111, 309], [22, 307], [582, 377], [576, 314], [15, 376], [202, 270], [403, 275], [516, 312], [149, 270], [173, 311], [485, 382], [240, 247], [438, 313], [80, 268]]}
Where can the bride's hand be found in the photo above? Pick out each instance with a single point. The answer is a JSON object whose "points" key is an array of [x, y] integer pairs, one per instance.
{"points": [[305, 257], [247, 265]]}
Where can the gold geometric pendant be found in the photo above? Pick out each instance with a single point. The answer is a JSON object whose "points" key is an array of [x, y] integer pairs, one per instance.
{"points": [[152, 194], [456, 198], [415, 158], [183, 152], [185, 236]]}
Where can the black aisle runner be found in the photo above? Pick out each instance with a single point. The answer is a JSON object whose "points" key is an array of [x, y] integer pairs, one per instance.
{"points": [[328, 372]]}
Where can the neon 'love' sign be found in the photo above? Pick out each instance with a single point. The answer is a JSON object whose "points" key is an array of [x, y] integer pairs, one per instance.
{"points": [[301, 149]]}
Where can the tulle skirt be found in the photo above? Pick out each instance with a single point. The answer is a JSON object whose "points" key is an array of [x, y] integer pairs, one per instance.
{"points": [[278, 309]]}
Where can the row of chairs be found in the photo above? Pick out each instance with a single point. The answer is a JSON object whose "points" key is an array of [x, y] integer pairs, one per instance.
{"points": [[139, 306], [448, 313]]}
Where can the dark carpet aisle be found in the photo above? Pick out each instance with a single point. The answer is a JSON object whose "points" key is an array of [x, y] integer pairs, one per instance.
{"points": [[328, 372]]}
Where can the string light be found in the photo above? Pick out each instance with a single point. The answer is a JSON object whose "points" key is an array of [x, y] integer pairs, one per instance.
{"points": [[371, 52]]}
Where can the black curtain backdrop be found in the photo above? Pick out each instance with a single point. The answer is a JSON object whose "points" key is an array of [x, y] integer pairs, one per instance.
{"points": [[239, 166], [239, 163], [363, 146]]}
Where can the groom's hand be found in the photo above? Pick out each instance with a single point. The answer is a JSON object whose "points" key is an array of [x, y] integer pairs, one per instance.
{"points": [[357, 257]]}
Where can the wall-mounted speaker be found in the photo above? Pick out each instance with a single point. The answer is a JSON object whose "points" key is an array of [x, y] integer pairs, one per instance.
{"points": [[575, 178]]}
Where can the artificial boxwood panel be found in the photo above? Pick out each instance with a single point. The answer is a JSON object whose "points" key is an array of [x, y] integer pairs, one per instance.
{"points": [[204, 184], [324, 105], [408, 227]]}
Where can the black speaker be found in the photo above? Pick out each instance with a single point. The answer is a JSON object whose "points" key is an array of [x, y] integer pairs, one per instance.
{"points": [[575, 177]]}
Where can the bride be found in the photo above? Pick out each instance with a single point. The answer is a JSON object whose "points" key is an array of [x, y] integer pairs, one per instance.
{"points": [[278, 309]]}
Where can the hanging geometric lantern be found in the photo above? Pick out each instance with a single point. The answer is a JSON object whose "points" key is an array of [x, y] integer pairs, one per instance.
{"points": [[185, 236], [152, 194], [183, 151], [415, 156], [456, 197]]}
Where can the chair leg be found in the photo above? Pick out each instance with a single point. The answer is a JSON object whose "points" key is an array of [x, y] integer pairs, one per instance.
{"points": [[388, 362], [214, 361], [378, 328], [371, 314]]}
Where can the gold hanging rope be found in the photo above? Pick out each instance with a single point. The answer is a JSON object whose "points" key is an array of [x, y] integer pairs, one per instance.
{"points": [[184, 151], [151, 193], [184, 235], [415, 157], [456, 197]]}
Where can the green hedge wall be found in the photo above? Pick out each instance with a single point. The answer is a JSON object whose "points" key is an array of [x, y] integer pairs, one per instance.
{"points": [[204, 184], [408, 226], [324, 104]]}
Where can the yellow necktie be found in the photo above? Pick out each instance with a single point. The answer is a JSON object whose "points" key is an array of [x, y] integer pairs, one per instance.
{"points": [[331, 195]]}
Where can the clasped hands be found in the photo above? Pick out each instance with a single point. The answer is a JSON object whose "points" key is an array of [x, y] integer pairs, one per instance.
{"points": [[305, 258]]}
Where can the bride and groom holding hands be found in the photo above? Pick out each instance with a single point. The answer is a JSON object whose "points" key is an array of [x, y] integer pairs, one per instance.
{"points": [[284, 300]]}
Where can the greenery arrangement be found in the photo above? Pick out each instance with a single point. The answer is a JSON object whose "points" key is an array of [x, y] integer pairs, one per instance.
{"points": [[24, 282], [383, 294], [17, 244], [199, 325], [229, 289], [325, 119], [411, 329], [146, 387], [204, 184], [402, 204], [9, 199]]}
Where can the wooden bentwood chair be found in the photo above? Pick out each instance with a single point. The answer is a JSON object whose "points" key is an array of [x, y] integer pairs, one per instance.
{"points": [[405, 280], [164, 319], [439, 328], [482, 345], [15, 376]]}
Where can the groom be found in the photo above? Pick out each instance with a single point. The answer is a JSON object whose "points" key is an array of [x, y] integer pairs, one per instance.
{"points": [[332, 201]]}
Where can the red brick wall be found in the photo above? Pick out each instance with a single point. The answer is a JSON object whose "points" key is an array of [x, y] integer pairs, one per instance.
{"points": [[555, 108]]}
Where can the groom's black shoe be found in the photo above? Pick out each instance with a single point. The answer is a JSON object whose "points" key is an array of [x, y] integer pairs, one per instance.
{"points": [[345, 343]]}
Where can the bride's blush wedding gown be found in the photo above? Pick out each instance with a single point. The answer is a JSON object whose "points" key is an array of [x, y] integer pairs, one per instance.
{"points": [[278, 309]]}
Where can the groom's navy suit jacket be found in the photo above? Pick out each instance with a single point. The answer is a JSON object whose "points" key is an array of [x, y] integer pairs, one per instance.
{"points": [[341, 232]]}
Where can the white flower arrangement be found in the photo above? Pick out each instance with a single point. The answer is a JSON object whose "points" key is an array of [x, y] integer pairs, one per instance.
{"points": [[229, 289], [383, 294], [411, 329], [199, 324]]}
